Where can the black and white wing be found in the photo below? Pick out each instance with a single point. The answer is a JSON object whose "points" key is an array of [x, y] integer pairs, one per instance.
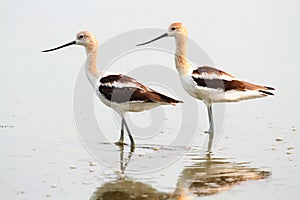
{"points": [[123, 89], [211, 78]]}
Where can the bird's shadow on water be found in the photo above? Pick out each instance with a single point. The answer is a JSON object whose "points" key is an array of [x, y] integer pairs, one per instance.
{"points": [[201, 175]]}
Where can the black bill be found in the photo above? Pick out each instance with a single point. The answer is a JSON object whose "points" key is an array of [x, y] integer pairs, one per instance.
{"points": [[62, 46], [162, 36]]}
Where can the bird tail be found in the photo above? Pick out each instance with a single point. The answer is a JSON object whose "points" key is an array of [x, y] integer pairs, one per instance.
{"points": [[264, 91], [165, 99]]}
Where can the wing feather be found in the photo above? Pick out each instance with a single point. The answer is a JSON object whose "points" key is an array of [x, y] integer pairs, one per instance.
{"points": [[216, 79], [122, 89]]}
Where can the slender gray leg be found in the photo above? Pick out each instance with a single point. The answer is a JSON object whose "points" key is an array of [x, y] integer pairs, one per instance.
{"points": [[210, 142], [129, 134], [210, 118], [121, 140], [211, 126]]}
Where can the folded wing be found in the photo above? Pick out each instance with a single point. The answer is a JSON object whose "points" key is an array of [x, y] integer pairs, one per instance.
{"points": [[123, 89]]}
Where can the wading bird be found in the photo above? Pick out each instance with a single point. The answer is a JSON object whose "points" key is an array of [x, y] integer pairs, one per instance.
{"points": [[120, 92], [207, 83]]}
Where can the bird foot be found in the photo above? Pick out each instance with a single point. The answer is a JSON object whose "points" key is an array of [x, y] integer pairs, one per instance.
{"points": [[209, 132], [120, 143]]}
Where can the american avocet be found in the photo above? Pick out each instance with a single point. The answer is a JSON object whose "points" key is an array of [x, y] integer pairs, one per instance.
{"points": [[206, 83], [120, 92]]}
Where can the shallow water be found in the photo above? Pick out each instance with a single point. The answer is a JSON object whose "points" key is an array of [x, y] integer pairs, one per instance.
{"points": [[201, 175], [42, 155]]}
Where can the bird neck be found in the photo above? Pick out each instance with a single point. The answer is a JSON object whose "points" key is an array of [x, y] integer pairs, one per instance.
{"points": [[91, 70], [182, 65]]}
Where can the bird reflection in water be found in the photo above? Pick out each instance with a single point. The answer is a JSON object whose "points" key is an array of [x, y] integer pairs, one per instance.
{"points": [[210, 175], [204, 176], [125, 188]]}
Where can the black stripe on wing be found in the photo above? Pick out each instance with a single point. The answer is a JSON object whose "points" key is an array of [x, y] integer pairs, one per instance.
{"points": [[205, 77], [124, 94], [121, 89], [225, 85], [235, 85]]}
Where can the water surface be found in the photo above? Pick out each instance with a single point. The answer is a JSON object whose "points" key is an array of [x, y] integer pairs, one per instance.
{"points": [[41, 153]]}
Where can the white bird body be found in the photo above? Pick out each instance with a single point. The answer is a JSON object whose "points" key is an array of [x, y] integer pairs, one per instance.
{"points": [[207, 83], [120, 92], [122, 107], [216, 95]]}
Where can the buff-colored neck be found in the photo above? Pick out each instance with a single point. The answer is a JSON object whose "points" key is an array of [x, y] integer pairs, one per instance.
{"points": [[91, 70], [182, 65]]}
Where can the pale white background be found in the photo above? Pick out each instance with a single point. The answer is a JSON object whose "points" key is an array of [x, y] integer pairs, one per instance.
{"points": [[255, 40]]}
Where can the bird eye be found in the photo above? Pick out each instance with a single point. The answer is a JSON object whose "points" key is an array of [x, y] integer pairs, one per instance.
{"points": [[81, 36], [173, 28]]}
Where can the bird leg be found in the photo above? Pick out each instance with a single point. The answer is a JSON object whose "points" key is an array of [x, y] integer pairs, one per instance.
{"points": [[210, 118], [121, 140], [211, 126], [210, 143], [129, 134]]}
